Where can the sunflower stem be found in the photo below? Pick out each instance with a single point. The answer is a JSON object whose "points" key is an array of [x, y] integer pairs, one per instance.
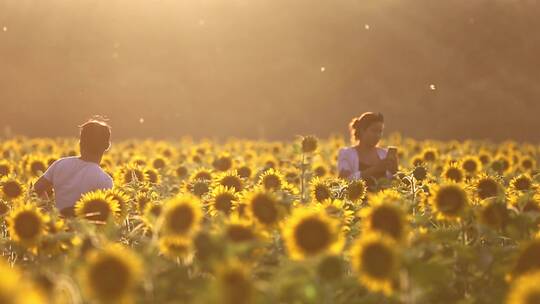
{"points": [[464, 232], [302, 166], [413, 192]]}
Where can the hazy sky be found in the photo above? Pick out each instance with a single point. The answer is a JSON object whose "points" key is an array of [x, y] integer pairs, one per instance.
{"points": [[271, 68]]}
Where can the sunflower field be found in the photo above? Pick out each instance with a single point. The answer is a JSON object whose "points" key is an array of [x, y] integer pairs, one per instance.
{"points": [[243, 221]]}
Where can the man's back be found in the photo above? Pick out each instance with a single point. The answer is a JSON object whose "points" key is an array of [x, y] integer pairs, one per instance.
{"points": [[71, 177]]}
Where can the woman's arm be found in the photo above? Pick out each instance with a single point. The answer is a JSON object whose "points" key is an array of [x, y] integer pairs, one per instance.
{"points": [[344, 164]]}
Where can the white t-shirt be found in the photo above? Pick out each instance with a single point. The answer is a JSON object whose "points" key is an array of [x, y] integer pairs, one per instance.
{"points": [[72, 177], [348, 160]]}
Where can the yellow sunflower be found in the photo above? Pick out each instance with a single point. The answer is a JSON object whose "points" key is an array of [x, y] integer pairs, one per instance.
{"points": [[16, 289], [223, 162], [528, 259], [26, 225], [356, 190], [175, 248], [527, 164], [181, 216], [501, 164], [375, 259], [522, 183], [181, 171], [493, 213], [240, 230], [11, 188], [331, 268], [244, 171], [97, 206], [122, 200], [452, 172], [36, 165], [430, 155], [198, 187], [471, 165], [152, 176], [420, 172], [129, 174], [111, 274], [386, 217], [234, 283], [5, 168], [310, 232], [525, 290], [319, 170], [222, 199], [143, 198], [337, 209], [487, 186], [159, 163], [151, 214], [229, 179], [449, 201], [263, 207], [4, 208], [272, 179], [309, 144], [201, 174], [525, 202], [320, 191], [386, 195]]}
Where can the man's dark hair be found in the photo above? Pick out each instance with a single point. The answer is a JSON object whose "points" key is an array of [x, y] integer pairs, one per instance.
{"points": [[95, 136]]}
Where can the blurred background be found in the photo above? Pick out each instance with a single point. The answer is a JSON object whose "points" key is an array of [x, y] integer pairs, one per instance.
{"points": [[271, 69]]}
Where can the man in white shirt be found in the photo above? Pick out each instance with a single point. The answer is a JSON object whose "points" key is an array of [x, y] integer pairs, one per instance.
{"points": [[71, 177]]}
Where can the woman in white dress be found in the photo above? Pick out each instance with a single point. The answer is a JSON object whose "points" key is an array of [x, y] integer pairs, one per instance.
{"points": [[364, 159]]}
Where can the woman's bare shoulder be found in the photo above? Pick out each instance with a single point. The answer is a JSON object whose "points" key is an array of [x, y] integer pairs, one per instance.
{"points": [[346, 150]]}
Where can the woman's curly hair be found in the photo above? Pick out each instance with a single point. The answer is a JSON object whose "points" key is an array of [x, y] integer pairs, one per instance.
{"points": [[361, 123]]}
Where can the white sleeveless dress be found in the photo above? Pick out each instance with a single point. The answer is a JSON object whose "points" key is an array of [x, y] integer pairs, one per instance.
{"points": [[348, 160]]}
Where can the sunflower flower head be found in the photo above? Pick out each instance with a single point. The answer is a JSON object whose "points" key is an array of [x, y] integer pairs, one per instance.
{"points": [[310, 232], [27, 225], [97, 206], [528, 259], [234, 283], [175, 248], [471, 165], [122, 200], [453, 172], [222, 199], [493, 213], [525, 290], [309, 144], [356, 190], [375, 259], [240, 230], [522, 183], [449, 201], [264, 207], [320, 190], [272, 179], [487, 186], [230, 179], [386, 217], [111, 274], [181, 216], [11, 188]]}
